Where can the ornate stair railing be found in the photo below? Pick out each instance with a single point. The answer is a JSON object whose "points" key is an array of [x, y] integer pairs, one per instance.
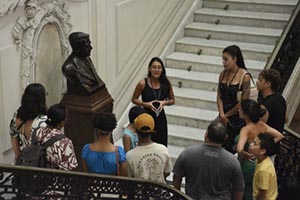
{"points": [[287, 51], [17, 182], [288, 166], [285, 59]]}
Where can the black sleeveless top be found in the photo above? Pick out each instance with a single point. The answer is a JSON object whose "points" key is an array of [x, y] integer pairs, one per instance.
{"points": [[161, 128], [150, 94], [228, 93]]}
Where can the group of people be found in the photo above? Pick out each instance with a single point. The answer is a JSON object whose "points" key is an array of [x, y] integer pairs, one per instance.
{"points": [[249, 130], [33, 116], [144, 138], [102, 156], [244, 127]]}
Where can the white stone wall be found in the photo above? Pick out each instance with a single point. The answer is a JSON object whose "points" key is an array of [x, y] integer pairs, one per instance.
{"points": [[125, 34]]}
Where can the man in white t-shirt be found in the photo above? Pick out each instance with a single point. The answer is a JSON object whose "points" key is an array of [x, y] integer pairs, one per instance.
{"points": [[149, 160]]}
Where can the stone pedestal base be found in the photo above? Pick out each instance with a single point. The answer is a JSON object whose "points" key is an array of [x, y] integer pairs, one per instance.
{"points": [[81, 110]]}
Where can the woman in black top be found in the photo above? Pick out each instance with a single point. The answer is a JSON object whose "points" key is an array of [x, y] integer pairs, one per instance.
{"points": [[229, 85], [156, 92]]}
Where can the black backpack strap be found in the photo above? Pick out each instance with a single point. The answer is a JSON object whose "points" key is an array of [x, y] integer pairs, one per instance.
{"points": [[52, 140], [22, 123], [33, 136]]}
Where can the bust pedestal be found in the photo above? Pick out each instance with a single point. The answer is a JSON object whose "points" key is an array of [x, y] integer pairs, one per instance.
{"points": [[81, 110]]}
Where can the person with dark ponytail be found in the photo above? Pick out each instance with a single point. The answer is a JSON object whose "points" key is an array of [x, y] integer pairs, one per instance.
{"points": [[157, 92], [233, 78], [30, 115], [61, 154], [251, 112]]}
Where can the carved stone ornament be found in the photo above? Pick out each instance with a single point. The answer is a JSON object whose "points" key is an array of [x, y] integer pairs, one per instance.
{"points": [[8, 6], [27, 30]]}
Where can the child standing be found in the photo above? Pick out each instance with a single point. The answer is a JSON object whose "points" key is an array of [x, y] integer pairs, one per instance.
{"points": [[130, 138], [265, 179]]}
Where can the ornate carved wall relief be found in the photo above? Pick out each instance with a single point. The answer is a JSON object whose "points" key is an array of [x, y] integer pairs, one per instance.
{"points": [[42, 35], [8, 6]]}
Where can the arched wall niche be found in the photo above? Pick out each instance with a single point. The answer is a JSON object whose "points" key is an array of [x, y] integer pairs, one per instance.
{"points": [[42, 35], [49, 56]]}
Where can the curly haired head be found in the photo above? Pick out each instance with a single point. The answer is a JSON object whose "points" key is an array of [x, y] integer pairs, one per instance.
{"points": [[272, 76], [106, 122]]}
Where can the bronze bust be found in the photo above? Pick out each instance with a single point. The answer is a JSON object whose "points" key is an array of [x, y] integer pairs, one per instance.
{"points": [[79, 70]]}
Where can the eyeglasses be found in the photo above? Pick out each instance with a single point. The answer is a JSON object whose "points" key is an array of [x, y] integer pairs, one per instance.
{"points": [[157, 68]]}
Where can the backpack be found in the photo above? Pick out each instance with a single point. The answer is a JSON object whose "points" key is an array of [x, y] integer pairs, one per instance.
{"points": [[35, 154]]}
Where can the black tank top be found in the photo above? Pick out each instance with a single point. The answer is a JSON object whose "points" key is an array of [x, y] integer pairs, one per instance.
{"points": [[150, 94]]}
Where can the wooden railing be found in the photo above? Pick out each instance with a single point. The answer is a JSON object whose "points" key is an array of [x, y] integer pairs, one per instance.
{"points": [[18, 182]]}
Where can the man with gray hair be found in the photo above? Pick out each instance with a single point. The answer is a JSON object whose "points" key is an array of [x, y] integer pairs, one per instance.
{"points": [[211, 172]]}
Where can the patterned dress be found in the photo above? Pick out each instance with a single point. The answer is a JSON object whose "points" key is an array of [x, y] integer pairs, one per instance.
{"points": [[39, 121]]}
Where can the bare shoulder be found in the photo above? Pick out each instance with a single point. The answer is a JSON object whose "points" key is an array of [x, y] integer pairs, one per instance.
{"points": [[244, 74], [221, 74], [141, 84], [246, 129], [262, 125]]}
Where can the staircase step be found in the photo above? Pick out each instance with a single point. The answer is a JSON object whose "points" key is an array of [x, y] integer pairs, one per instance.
{"points": [[184, 136], [205, 63], [233, 33], [194, 68], [174, 152], [279, 6], [196, 98], [192, 117], [240, 18], [190, 79], [251, 51]]}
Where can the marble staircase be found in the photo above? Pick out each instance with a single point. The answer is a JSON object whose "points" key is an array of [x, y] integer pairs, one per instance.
{"points": [[194, 66]]}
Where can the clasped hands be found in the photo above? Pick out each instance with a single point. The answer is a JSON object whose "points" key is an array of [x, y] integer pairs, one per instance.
{"points": [[156, 106]]}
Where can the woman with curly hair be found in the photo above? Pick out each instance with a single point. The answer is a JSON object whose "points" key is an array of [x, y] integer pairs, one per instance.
{"points": [[102, 156], [61, 154]]}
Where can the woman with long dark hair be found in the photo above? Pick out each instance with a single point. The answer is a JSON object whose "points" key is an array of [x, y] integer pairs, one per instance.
{"points": [[30, 115], [251, 112], [156, 92], [232, 79]]}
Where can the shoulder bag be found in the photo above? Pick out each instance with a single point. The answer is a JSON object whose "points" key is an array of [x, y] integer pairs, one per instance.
{"points": [[253, 89]]}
